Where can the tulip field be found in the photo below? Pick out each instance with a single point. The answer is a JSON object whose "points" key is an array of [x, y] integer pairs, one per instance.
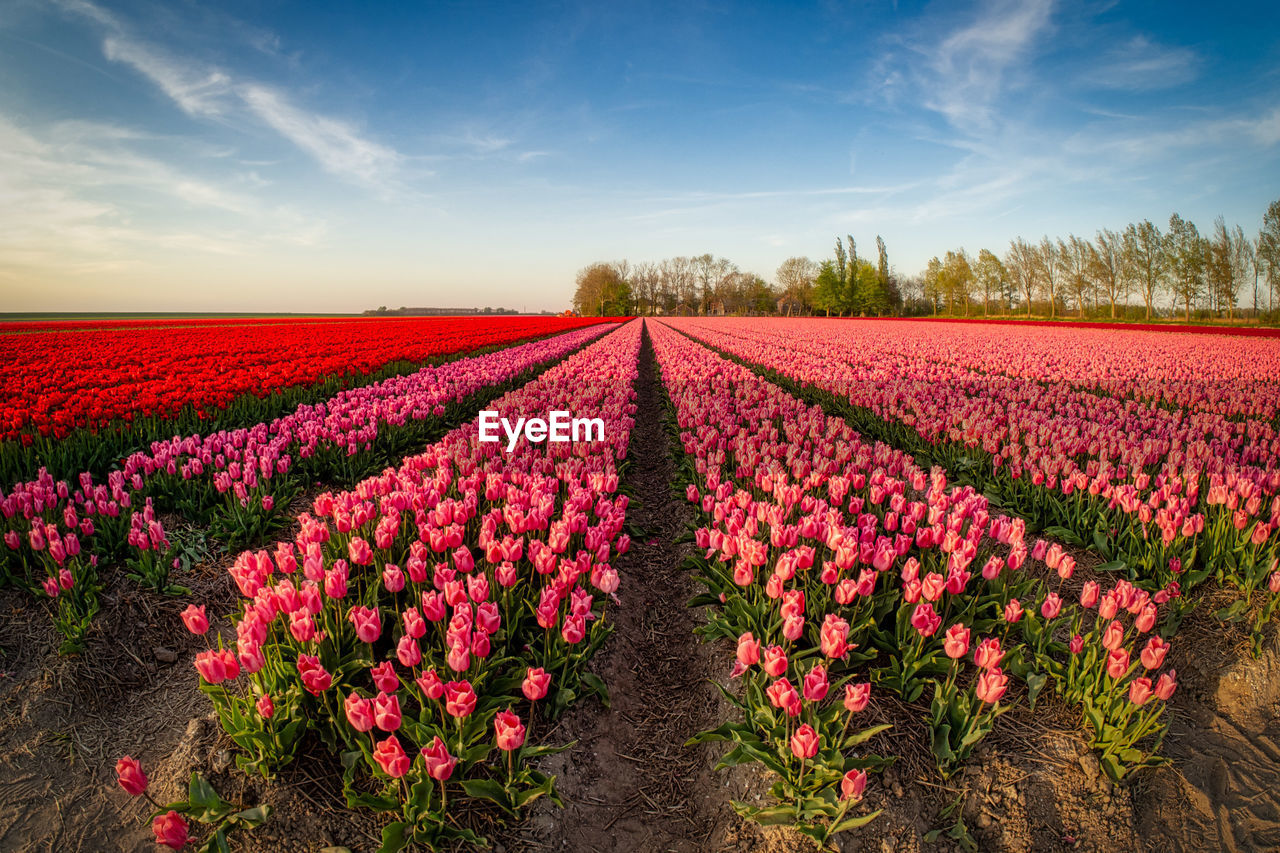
{"points": [[821, 584]]}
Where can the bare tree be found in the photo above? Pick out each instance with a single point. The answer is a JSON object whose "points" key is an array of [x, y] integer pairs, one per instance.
{"points": [[991, 276], [1074, 256], [795, 279], [1107, 267], [1267, 252], [1049, 266], [1020, 261], [1242, 262], [1147, 259], [1186, 250]]}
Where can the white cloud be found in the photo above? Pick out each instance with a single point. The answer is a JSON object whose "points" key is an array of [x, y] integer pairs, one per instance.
{"points": [[335, 145], [971, 66], [204, 90], [197, 92], [1141, 65], [76, 198]]}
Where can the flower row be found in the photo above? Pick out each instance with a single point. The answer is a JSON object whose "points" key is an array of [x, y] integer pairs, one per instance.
{"points": [[418, 621], [1177, 476], [839, 568]]}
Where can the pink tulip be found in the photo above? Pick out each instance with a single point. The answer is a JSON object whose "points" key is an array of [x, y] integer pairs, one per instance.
{"points": [[748, 649], [386, 712], [856, 696], [194, 618], [805, 741], [816, 684], [774, 661], [853, 784], [956, 642], [508, 731], [1140, 690], [536, 683], [359, 712], [439, 762], [391, 757], [459, 699], [991, 685], [1118, 663]]}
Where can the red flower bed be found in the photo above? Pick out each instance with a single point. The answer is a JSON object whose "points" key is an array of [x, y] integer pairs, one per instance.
{"points": [[53, 383]]}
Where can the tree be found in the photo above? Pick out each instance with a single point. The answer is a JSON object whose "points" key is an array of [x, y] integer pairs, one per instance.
{"points": [[1147, 258], [1186, 262], [1049, 267], [1074, 254], [795, 279], [852, 301], [957, 280], [760, 297], [1267, 253], [931, 283], [991, 276], [1220, 274], [827, 288], [1107, 267], [602, 291], [1243, 263], [1020, 261]]}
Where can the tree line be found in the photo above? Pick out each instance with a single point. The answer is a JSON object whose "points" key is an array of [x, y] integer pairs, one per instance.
{"points": [[1140, 270]]}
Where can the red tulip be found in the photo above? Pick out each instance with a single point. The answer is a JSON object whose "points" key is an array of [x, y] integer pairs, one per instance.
{"points": [[170, 829], [391, 757], [194, 618], [459, 699], [130, 776]]}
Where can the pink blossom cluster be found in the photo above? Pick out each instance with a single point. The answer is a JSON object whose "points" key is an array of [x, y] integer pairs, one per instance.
{"points": [[839, 547], [243, 461], [1150, 425], [419, 600]]}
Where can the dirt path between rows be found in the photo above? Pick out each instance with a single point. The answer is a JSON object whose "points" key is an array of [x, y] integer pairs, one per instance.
{"points": [[630, 784]]}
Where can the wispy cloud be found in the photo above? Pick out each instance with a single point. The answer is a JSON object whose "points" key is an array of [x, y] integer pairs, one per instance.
{"points": [[206, 90], [1142, 65], [199, 92], [1142, 140], [336, 145], [77, 198], [968, 70]]}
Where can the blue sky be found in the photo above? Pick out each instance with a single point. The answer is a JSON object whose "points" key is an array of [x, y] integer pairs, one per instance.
{"points": [[283, 156]]}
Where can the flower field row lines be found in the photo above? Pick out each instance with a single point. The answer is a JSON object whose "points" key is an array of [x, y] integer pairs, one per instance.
{"points": [[841, 569], [1173, 510], [81, 401], [420, 623], [237, 483]]}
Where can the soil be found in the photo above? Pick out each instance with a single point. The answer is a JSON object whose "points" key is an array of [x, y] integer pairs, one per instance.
{"points": [[629, 783]]}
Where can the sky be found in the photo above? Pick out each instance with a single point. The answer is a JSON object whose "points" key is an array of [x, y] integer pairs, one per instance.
{"points": [[264, 155]]}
